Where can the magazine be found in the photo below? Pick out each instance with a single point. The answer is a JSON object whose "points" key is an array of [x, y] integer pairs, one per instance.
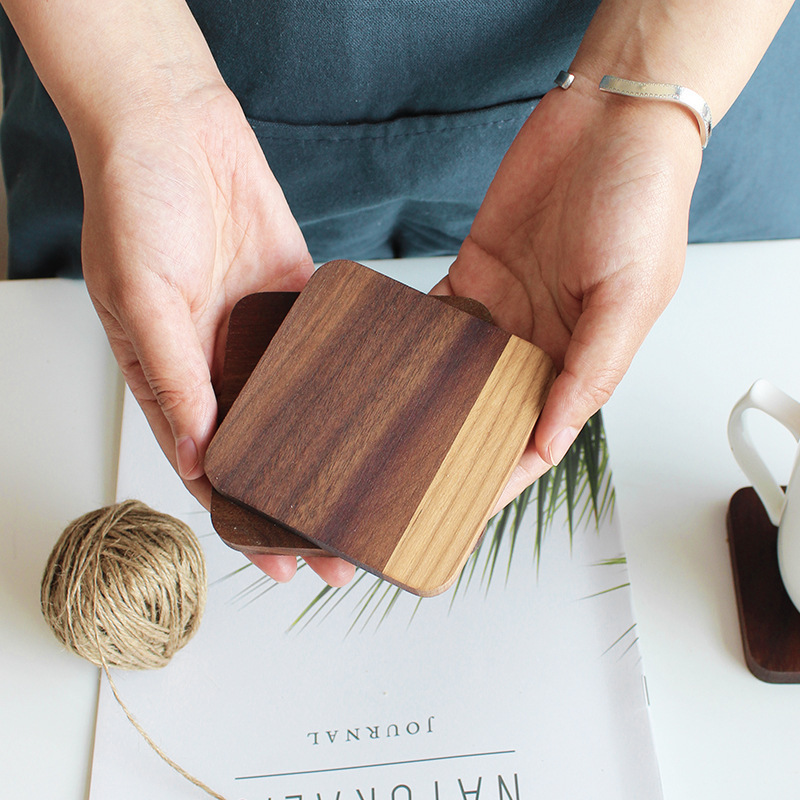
{"points": [[522, 681]]}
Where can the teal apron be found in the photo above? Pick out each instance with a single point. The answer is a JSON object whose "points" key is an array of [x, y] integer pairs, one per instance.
{"points": [[384, 123]]}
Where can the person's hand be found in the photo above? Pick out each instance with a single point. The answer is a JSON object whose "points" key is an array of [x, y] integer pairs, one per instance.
{"points": [[183, 218], [580, 244]]}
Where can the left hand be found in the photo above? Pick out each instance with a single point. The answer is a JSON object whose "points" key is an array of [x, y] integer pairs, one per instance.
{"points": [[579, 245], [183, 217]]}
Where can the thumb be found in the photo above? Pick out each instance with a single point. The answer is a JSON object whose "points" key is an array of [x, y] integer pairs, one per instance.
{"points": [[598, 355]]}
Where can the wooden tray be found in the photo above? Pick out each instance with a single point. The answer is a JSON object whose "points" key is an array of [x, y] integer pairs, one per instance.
{"points": [[769, 622], [382, 425]]}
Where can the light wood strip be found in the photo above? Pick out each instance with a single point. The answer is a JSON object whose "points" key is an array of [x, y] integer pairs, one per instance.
{"points": [[493, 436]]}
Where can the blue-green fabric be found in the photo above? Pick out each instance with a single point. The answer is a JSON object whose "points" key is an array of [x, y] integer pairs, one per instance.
{"points": [[749, 184], [384, 123]]}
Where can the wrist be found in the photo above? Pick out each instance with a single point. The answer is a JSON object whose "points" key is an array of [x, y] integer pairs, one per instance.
{"points": [[711, 48], [628, 77], [643, 42], [168, 108], [664, 93], [669, 124], [108, 64], [662, 138]]}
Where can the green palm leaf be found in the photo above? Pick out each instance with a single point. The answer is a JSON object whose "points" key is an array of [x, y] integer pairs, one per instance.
{"points": [[581, 482]]}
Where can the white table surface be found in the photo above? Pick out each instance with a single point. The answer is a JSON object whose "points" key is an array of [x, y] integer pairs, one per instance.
{"points": [[719, 732]]}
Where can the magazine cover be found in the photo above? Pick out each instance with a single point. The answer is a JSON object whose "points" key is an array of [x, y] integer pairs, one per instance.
{"points": [[522, 681]]}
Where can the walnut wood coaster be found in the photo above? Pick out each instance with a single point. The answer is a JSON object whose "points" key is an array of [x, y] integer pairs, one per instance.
{"points": [[382, 425], [253, 322], [769, 622]]}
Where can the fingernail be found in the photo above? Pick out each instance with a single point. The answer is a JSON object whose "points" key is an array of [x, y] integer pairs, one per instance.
{"points": [[559, 445], [186, 455]]}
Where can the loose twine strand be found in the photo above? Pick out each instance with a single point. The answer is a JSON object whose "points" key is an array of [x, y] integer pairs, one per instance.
{"points": [[125, 586]]}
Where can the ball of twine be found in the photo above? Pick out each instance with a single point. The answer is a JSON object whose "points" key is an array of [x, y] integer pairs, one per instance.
{"points": [[125, 586]]}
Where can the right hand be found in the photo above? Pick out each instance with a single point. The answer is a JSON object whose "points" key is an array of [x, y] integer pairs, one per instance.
{"points": [[183, 217], [579, 245]]}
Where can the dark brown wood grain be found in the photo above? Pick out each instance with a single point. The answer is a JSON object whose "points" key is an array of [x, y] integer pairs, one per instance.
{"points": [[348, 418], [769, 622], [249, 532], [255, 319], [253, 322]]}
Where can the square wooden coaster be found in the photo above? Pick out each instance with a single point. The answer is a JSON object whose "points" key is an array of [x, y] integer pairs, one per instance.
{"points": [[382, 425], [253, 322], [768, 619]]}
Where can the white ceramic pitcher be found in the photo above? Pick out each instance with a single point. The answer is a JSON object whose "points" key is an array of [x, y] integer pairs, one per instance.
{"points": [[783, 507]]}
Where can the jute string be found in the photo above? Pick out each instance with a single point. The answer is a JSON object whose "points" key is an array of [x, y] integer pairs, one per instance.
{"points": [[125, 586]]}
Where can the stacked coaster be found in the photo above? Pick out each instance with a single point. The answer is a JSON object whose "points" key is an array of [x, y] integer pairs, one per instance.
{"points": [[367, 420], [768, 620]]}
